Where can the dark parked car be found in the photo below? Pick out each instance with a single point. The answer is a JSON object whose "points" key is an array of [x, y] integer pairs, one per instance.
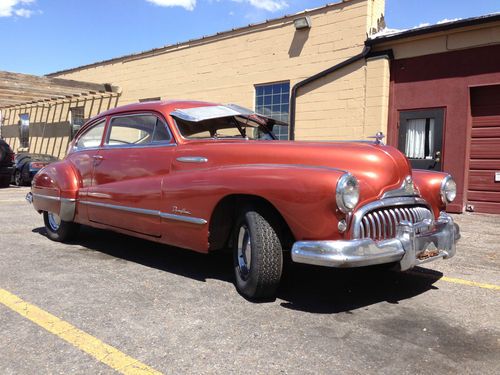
{"points": [[6, 163], [26, 165]]}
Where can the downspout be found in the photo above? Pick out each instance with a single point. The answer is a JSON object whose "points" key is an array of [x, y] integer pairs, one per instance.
{"points": [[298, 85]]}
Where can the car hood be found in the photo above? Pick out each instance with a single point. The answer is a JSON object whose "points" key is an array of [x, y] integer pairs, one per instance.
{"points": [[378, 168]]}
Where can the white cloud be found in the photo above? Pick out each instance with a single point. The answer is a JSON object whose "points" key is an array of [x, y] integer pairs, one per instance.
{"points": [[10, 8], [269, 5], [187, 4]]}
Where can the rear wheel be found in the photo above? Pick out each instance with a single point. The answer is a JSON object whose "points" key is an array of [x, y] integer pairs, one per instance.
{"points": [[258, 256], [57, 229]]}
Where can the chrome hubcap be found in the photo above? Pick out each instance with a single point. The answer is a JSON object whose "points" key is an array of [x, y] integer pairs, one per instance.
{"points": [[244, 251], [54, 221]]}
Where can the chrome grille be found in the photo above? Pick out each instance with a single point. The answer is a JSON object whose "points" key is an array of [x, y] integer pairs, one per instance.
{"points": [[381, 224]]}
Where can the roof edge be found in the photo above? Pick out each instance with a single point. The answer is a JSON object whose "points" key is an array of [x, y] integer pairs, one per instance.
{"points": [[434, 29], [206, 38]]}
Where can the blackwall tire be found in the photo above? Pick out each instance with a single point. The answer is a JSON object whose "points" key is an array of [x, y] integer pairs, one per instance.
{"points": [[58, 230], [257, 255]]}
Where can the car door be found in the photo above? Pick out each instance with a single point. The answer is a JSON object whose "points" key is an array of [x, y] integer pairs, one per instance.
{"points": [[128, 171], [82, 156]]}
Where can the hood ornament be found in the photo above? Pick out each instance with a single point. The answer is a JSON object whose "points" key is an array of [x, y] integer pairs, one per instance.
{"points": [[378, 138]]}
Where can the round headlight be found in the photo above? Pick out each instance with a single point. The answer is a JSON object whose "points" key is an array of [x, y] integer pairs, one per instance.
{"points": [[448, 190], [347, 193]]}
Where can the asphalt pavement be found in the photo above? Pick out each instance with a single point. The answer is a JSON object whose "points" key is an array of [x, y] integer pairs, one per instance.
{"points": [[178, 312]]}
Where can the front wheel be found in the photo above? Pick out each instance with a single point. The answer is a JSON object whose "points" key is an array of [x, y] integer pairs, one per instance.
{"points": [[58, 230], [258, 256]]}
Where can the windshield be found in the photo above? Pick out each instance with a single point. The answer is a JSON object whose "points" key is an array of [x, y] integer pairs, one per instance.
{"points": [[253, 127]]}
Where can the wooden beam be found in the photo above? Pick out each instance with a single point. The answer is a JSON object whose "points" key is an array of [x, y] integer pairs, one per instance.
{"points": [[41, 81]]}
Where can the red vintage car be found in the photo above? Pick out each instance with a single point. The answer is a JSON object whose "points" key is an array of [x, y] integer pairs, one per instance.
{"points": [[206, 177]]}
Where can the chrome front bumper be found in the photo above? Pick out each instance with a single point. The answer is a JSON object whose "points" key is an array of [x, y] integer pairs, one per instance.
{"points": [[414, 244]]}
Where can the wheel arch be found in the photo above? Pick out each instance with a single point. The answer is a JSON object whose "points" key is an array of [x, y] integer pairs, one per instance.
{"points": [[226, 212]]}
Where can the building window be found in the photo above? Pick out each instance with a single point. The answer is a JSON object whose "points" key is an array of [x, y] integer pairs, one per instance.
{"points": [[273, 100], [24, 130], [420, 137], [77, 119], [77, 115]]}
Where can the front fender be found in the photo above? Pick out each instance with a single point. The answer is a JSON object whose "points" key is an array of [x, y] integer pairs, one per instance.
{"points": [[304, 195], [55, 189], [429, 185]]}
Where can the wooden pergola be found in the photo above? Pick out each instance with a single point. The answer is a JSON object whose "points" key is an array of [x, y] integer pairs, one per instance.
{"points": [[17, 89]]}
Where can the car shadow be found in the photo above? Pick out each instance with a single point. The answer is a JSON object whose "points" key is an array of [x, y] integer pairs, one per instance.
{"points": [[306, 288]]}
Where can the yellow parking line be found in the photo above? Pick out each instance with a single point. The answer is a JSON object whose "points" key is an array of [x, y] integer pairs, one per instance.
{"points": [[457, 281], [96, 348], [470, 283]]}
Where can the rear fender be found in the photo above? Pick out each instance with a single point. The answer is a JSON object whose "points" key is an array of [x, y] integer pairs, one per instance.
{"points": [[55, 189]]}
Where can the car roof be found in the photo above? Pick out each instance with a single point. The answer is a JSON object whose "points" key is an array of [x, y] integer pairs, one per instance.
{"points": [[163, 106]]}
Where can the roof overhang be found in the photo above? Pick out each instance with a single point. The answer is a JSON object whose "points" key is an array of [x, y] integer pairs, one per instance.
{"points": [[420, 31], [19, 89]]}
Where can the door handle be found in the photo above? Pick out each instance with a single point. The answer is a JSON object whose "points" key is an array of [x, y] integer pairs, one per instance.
{"points": [[97, 158]]}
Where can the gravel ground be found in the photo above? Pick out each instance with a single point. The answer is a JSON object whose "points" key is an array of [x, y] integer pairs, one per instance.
{"points": [[179, 312]]}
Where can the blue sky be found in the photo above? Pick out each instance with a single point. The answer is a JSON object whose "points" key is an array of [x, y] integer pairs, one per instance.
{"points": [[43, 36]]}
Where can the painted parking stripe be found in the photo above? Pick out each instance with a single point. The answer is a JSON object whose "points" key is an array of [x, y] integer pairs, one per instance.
{"points": [[470, 283], [89, 344], [455, 280]]}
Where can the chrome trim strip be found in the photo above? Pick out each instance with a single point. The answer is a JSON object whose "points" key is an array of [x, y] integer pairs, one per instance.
{"points": [[52, 198], [191, 220], [148, 145], [192, 159], [48, 197], [123, 208], [407, 189], [143, 211]]}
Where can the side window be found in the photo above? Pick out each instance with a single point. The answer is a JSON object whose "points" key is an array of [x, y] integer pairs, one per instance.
{"points": [[136, 130], [92, 137], [161, 132]]}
